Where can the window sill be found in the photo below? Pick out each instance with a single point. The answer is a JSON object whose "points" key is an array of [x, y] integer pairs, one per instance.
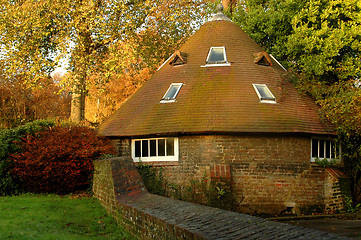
{"points": [[160, 163], [217, 65], [337, 160], [268, 101], [167, 101], [155, 159]]}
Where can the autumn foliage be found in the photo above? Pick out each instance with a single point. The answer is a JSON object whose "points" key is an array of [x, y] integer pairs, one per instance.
{"points": [[20, 104], [59, 159]]}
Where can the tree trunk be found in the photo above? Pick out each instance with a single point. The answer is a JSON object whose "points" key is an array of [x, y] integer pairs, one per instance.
{"points": [[77, 104], [77, 113], [81, 59]]}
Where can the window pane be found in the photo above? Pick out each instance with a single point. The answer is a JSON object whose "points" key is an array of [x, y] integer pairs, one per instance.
{"points": [[137, 148], [264, 92], [145, 148], [170, 146], [314, 148], [333, 150], [322, 149], [161, 147], [328, 149], [153, 148], [171, 93], [216, 56]]}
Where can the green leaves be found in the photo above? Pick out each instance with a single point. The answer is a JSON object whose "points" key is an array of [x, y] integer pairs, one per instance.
{"points": [[319, 38], [319, 41], [325, 43], [269, 23]]}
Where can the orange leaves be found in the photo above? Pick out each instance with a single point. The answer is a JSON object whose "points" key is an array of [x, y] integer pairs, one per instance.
{"points": [[122, 73], [20, 104], [59, 159]]}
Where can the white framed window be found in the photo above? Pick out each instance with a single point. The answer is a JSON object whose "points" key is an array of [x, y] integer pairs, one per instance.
{"points": [[264, 94], [324, 149], [155, 149], [217, 57], [172, 93]]}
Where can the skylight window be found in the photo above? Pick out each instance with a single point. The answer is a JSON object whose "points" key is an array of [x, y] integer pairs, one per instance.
{"points": [[217, 57], [264, 94], [172, 92]]}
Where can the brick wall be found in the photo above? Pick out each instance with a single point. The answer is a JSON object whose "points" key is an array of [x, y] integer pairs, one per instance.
{"points": [[120, 190], [103, 186], [269, 174], [123, 147], [337, 186]]}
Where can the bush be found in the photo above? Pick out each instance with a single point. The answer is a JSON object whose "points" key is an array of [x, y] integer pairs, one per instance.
{"points": [[59, 159], [9, 138]]}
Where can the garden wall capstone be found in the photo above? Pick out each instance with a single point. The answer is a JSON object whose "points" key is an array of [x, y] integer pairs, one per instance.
{"points": [[120, 189]]}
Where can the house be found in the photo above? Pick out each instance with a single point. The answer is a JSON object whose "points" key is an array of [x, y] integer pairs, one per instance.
{"points": [[223, 107]]}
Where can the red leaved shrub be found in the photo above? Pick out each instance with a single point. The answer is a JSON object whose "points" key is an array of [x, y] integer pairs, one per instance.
{"points": [[59, 160]]}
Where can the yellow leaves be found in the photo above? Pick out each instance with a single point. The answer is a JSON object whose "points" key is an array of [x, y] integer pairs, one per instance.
{"points": [[25, 29], [37, 34]]}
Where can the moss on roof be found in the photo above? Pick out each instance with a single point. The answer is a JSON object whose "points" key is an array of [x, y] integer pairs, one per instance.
{"points": [[216, 99]]}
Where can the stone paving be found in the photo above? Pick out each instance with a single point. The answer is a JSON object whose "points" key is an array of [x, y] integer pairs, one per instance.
{"points": [[213, 223], [344, 227]]}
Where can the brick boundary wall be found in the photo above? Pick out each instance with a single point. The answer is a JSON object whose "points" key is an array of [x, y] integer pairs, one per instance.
{"points": [[119, 188], [269, 174]]}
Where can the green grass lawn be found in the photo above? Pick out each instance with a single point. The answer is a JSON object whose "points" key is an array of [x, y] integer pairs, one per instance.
{"points": [[53, 217]]}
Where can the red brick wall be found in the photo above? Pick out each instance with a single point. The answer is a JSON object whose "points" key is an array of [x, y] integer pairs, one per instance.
{"points": [[268, 173]]}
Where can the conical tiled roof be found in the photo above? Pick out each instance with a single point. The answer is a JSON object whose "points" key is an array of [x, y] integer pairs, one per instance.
{"points": [[217, 99]]}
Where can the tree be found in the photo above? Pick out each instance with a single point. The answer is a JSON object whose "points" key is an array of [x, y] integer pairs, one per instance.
{"points": [[20, 104], [342, 107], [318, 38], [106, 96], [325, 46], [320, 42], [268, 22], [35, 35], [325, 50]]}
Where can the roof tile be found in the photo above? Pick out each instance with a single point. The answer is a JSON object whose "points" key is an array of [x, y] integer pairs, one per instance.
{"points": [[217, 99]]}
